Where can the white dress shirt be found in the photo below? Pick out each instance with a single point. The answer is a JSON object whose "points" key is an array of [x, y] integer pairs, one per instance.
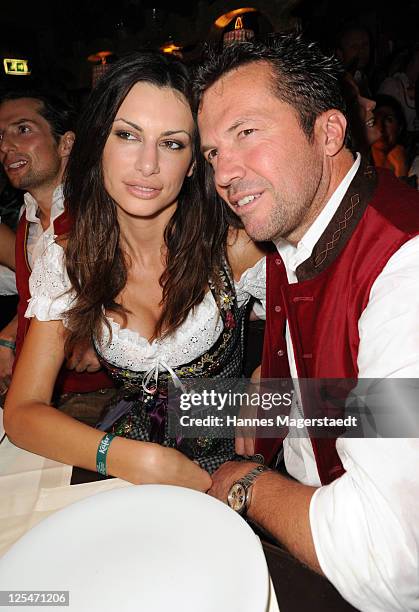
{"points": [[38, 238], [365, 524]]}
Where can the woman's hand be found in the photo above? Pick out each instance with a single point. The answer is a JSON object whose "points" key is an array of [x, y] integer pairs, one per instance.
{"points": [[149, 463]]}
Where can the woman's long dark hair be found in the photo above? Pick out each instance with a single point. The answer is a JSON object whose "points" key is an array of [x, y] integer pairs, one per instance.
{"points": [[195, 237]]}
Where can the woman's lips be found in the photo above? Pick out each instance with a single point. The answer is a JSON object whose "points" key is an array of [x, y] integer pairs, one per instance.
{"points": [[142, 192]]}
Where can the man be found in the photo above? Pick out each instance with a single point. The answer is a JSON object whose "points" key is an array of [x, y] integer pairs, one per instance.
{"points": [[353, 48], [343, 285], [36, 137]]}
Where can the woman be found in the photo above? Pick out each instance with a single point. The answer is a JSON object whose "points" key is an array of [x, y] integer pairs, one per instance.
{"points": [[145, 274], [363, 128], [389, 150]]}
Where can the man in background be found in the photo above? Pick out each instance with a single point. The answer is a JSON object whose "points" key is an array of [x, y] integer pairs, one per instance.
{"points": [[36, 138]]}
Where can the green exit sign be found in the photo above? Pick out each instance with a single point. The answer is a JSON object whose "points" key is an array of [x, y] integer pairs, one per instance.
{"points": [[16, 66]]}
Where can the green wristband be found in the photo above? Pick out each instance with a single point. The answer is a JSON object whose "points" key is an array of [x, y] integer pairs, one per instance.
{"points": [[8, 344], [102, 451]]}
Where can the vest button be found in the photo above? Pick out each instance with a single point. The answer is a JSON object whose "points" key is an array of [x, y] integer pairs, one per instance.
{"points": [[280, 353], [277, 308], [278, 261]]}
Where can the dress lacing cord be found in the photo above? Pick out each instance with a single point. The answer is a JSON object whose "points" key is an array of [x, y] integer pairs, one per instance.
{"points": [[153, 375]]}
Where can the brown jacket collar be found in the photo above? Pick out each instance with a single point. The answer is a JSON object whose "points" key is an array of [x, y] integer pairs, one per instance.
{"points": [[336, 235]]}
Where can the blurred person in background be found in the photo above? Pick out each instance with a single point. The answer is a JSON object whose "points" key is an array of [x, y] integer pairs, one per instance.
{"points": [[354, 49], [362, 127], [389, 151], [36, 137], [402, 86]]}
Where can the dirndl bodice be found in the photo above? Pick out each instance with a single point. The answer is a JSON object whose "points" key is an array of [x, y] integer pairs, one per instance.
{"points": [[140, 409]]}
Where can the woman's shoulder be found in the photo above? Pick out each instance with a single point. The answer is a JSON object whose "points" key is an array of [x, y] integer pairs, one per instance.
{"points": [[247, 260]]}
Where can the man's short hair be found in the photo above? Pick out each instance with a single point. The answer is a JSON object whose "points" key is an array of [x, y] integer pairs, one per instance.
{"points": [[302, 75], [55, 110]]}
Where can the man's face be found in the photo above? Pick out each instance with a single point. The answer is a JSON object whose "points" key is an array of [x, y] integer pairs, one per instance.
{"points": [[28, 151], [264, 166]]}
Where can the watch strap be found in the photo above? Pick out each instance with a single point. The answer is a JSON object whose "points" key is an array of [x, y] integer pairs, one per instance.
{"points": [[246, 482], [250, 478]]}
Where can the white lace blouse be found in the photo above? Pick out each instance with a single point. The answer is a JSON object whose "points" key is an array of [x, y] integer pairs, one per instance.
{"points": [[52, 295]]}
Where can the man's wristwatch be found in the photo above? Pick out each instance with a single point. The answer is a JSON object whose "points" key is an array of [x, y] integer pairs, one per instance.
{"points": [[240, 493]]}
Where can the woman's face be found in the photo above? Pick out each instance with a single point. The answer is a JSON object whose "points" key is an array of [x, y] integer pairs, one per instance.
{"points": [[390, 127], [148, 152], [372, 131]]}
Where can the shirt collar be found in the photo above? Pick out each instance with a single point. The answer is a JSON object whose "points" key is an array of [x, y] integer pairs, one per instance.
{"points": [[56, 209], [292, 255]]}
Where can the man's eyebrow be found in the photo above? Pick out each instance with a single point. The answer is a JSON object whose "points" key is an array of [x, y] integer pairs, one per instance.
{"points": [[166, 133], [23, 120], [233, 127]]}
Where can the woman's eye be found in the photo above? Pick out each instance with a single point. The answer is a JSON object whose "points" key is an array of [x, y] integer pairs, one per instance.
{"points": [[125, 135], [246, 132], [173, 145], [24, 129]]}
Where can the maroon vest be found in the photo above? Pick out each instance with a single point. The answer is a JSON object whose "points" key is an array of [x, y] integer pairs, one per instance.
{"points": [[373, 221], [68, 381]]}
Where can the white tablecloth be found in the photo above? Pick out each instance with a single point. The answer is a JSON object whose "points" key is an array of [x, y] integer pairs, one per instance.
{"points": [[32, 487]]}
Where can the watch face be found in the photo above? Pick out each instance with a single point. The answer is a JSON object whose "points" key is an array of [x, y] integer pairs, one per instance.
{"points": [[237, 497]]}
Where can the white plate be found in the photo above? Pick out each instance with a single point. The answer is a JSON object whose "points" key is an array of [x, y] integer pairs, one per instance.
{"points": [[151, 548]]}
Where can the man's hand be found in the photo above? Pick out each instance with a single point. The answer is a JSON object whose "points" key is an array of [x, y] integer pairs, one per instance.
{"points": [[226, 475], [83, 359], [280, 505]]}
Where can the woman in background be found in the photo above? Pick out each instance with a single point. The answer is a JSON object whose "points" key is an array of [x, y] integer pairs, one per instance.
{"points": [[389, 150]]}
